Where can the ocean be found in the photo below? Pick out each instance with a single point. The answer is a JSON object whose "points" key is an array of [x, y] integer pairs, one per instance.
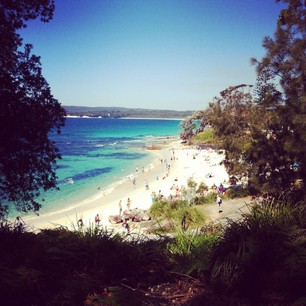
{"points": [[99, 153]]}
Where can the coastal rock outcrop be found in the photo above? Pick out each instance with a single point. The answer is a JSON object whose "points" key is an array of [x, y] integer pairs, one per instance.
{"points": [[135, 215]]}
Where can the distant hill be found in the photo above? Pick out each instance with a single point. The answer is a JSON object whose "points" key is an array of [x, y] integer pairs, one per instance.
{"points": [[122, 112]]}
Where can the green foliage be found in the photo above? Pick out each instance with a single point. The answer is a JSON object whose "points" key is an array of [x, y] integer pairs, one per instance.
{"points": [[191, 183], [263, 132], [228, 115], [269, 244], [281, 96], [28, 113], [207, 199], [191, 251], [232, 193], [205, 137], [202, 188], [174, 212], [159, 209], [61, 267], [188, 127], [119, 112], [167, 208], [193, 125]]}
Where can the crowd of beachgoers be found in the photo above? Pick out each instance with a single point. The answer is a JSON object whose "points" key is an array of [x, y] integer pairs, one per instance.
{"points": [[173, 164]]}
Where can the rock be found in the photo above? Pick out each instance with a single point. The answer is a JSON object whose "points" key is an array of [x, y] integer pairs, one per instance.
{"points": [[145, 217], [135, 215], [115, 219]]}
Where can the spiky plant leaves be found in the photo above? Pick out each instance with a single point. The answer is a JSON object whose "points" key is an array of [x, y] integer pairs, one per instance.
{"points": [[262, 253], [189, 251]]}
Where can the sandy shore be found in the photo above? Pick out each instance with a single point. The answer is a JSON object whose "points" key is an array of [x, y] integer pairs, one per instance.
{"points": [[173, 164]]}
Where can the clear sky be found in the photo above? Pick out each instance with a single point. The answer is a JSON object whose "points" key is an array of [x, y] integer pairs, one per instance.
{"points": [[157, 54]]}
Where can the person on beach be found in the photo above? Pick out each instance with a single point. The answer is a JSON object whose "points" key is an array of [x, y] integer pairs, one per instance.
{"points": [[147, 185], [219, 202], [80, 223], [97, 220], [120, 207], [183, 223], [126, 227], [153, 196], [128, 204]]}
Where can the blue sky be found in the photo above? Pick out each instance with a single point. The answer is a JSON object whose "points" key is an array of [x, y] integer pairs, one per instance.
{"points": [[157, 54]]}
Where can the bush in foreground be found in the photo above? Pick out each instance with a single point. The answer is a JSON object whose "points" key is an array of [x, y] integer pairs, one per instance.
{"points": [[259, 259], [263, 256], [61, 267]]}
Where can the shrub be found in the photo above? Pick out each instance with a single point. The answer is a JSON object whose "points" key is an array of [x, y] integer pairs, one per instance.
{"points": [[263, 254], [166, 208], [238, 192], [191, 251], [205, 137], [202, 188], [158, 209], [209, 198]]}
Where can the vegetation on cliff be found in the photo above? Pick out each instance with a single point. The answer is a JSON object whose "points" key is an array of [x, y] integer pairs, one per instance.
{"points": [[124, 112]]}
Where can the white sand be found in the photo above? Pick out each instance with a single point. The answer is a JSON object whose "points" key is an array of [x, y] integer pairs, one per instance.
{"points": [[186, 162]]}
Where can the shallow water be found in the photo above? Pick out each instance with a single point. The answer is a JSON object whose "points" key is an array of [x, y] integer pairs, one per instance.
{"points": [[99, 153]]}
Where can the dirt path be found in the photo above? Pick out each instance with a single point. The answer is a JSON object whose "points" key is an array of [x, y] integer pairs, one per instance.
{"points": [[230, 209]]}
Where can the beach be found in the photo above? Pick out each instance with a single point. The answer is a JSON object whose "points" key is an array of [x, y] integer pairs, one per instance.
{"points": [[173, 163]]}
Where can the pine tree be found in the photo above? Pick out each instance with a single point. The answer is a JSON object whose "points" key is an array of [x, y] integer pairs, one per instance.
{"points": [[281, 95]]}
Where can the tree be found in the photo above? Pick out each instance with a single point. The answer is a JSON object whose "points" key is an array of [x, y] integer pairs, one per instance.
{"points": [[281, 95], [189, 125], [229, 115], [267, 137], [28, 113]]}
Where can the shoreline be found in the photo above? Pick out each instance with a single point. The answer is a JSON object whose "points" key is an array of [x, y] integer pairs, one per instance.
{"points": [[154, 118], [184, 162], [135, 118]]}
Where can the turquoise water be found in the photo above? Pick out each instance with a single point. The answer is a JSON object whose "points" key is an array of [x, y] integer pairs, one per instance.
{"points": [[99, 153]]}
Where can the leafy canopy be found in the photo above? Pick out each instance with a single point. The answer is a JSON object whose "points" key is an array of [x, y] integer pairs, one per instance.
{"points": [[28, 113], [264, 132]]}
